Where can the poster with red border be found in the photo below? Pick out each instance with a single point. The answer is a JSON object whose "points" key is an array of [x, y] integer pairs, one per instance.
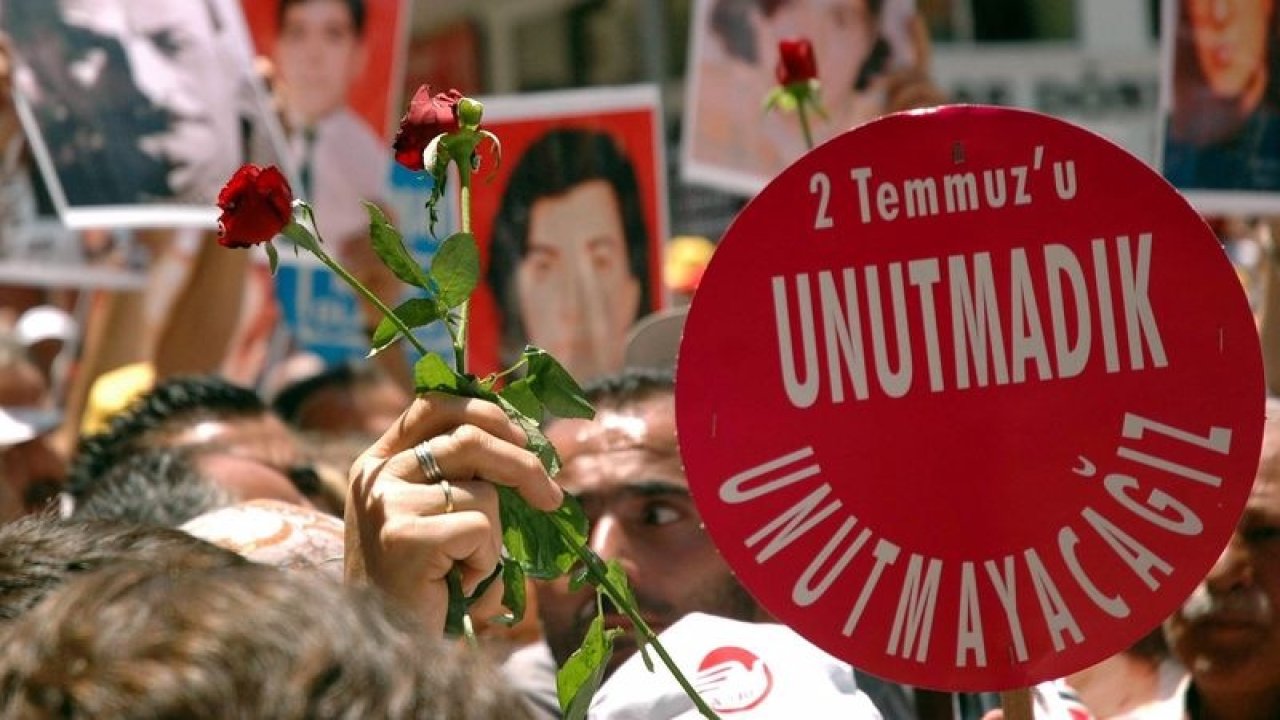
{"points": [[375, 92], [630, 120]]}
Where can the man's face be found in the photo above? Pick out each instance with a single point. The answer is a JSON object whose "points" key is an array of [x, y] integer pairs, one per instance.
{"points": [[251, 457], [31, 473], [1228, 633], [577, 295], [625, 469], [1230, 41], [319, 55]]}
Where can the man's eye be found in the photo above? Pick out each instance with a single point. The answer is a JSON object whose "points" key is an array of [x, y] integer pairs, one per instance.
{"points": [[166, 42], [660, 514]]}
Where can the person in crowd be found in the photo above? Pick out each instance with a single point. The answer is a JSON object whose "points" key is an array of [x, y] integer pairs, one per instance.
{"points": [[569, 256], [1124, 685], [252, 641], [623, 466], [1227, 634], [1223, 130], [350, 398], [32, 472], [38, 555], [169, 486], [625, 469], [206, 412], [270, 532]]}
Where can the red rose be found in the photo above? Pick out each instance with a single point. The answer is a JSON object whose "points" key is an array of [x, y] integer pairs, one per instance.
{"points": [[256, 205], [796, 62], [428, 117]]}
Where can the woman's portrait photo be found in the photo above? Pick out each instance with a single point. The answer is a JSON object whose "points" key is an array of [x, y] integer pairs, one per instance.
{"points": [[861, 48], [1222, 82]]}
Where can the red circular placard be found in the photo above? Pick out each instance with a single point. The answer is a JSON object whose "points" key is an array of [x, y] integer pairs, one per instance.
{"points": [[1045, 413]]}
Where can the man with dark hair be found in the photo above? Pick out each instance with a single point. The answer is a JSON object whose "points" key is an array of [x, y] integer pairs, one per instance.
{"points": [[205, 412], [624, 467], [569, 259], [253, 642], [157, 486], [39, 555], [351, 398]]}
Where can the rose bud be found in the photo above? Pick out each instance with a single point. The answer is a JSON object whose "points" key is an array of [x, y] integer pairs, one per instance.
{"points": [[256, 205], [796, 62], [428, 117]]}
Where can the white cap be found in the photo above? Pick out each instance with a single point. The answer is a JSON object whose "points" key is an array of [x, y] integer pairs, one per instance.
{"points": [[20, 424], [751, 670], [45, 322], [654, 340]]}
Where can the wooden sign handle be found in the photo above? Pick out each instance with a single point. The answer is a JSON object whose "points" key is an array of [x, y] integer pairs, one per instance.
{"points": [[1017, 704]]}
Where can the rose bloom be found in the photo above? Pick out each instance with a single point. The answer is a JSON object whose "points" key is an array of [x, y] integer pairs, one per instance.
{"points": [[256, 205], [796, 62], [428, 117]]}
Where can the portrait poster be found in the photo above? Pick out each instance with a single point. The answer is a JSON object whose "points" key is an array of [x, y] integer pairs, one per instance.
{"points": [[730, 141], [1219, 106], [337, 81], [570, 226], [136, 111], [373, 90]]}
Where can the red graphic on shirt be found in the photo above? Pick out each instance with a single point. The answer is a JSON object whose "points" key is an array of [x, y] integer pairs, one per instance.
{"points": [[732, 679]]}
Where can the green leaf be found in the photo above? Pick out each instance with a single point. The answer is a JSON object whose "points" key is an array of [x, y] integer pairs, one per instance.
{"points": [[433, 373], [455, 268], [579, 578], [414, 313], [302, 238], [521, 396], [538, 442], [774, 97], [578, 680], [513, 593], [273, 258], [390, 247], [624, 598], [545, 544], [555, 387]]}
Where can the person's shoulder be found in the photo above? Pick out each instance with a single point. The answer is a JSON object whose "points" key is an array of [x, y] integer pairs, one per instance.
{"points": [[532, 672]]}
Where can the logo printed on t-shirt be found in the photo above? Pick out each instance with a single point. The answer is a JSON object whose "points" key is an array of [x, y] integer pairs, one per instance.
{"points": [[732, 679]]}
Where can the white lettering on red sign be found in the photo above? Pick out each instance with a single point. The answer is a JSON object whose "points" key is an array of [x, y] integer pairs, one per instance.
{"points": [[924, 586], [844, 322]]}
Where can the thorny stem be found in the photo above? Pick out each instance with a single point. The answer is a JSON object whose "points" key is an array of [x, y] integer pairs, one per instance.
{"points": [[459, 337], [464, 311], [359, 287]]}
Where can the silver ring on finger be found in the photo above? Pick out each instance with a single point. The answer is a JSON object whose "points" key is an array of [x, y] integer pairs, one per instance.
{"points": [[427, 461], [447, 489]]}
